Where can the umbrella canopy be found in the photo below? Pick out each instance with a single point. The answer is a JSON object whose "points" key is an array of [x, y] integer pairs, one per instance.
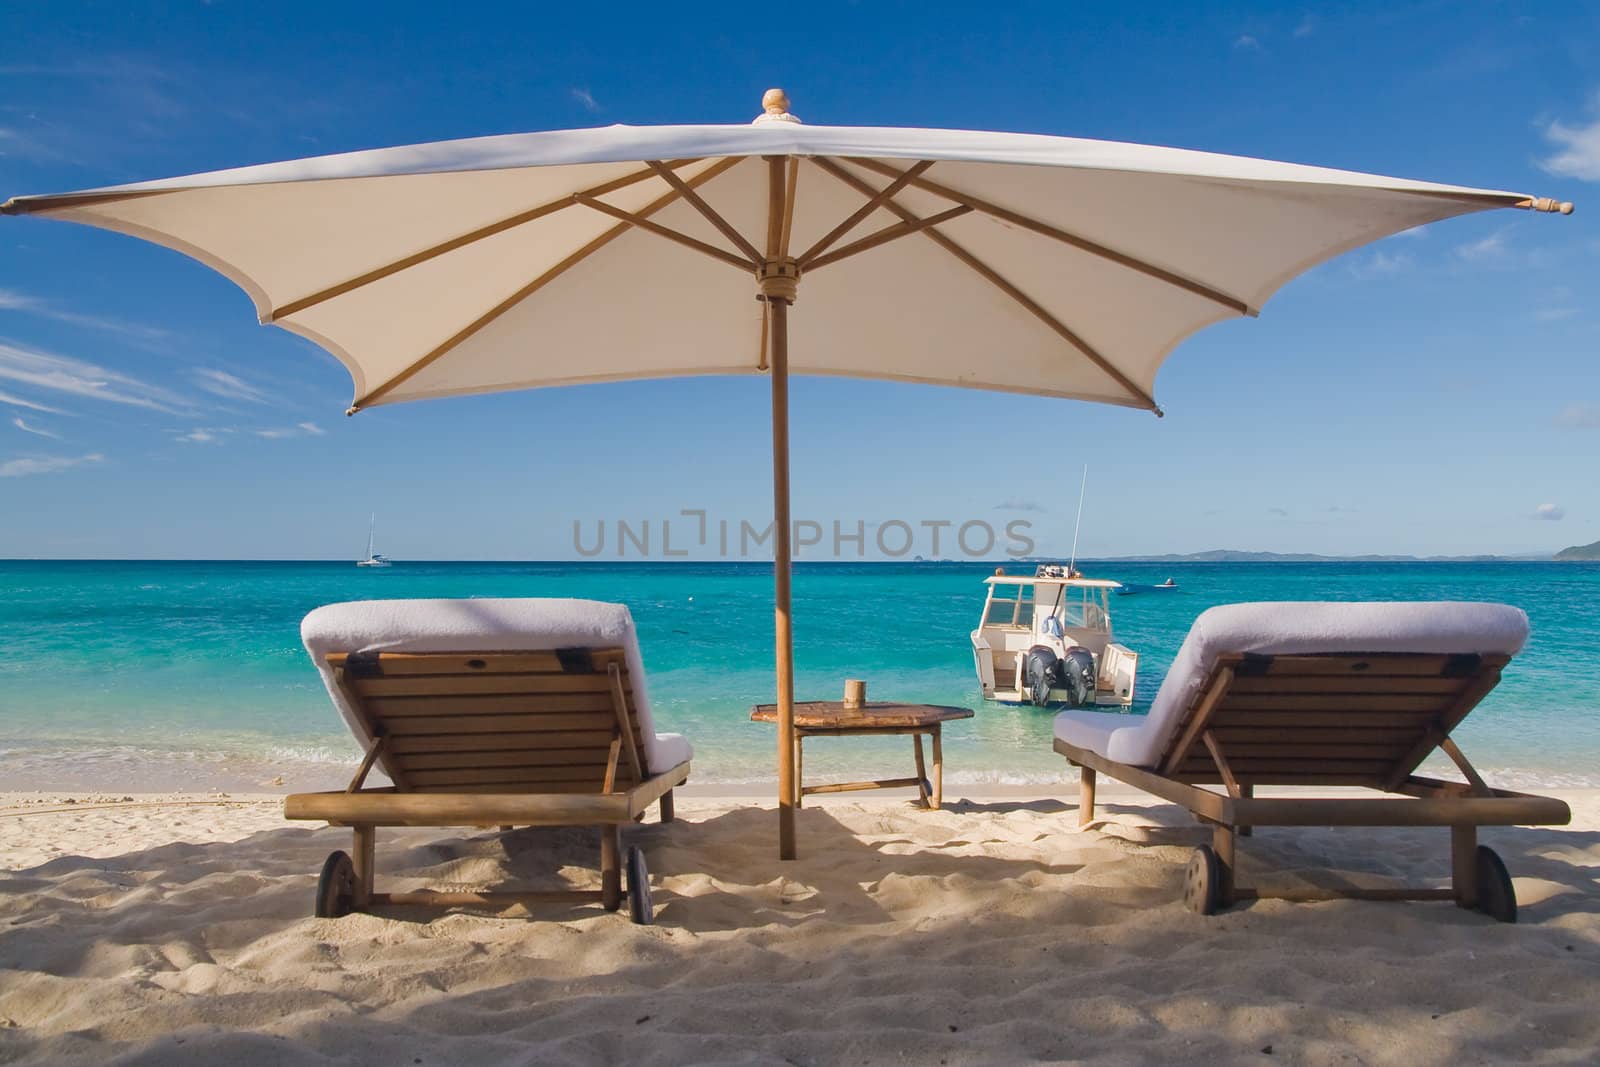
{"points": [[1044, 265]]}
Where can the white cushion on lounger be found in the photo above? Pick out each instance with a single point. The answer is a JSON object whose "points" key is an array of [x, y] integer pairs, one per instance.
{"points": [[1288, 628], [487, 625]]}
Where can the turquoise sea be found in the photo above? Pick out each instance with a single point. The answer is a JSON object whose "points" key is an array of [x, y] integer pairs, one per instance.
{"points": [[191, 674]]}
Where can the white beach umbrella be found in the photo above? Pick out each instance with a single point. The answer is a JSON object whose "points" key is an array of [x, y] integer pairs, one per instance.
{"points": [[1032, 264]]}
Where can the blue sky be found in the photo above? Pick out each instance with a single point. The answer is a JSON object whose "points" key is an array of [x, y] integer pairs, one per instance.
{"points": [[1435, 393]]}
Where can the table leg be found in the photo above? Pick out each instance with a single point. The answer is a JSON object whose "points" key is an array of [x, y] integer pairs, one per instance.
{"points": [[922, 771], [799, 776], [938, 768]]}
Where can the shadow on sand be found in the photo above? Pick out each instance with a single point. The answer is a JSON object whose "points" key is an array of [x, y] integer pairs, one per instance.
{"points": [[989, 931]]}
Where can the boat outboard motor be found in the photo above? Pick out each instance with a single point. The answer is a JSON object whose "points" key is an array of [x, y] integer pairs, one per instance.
{"points": [[1039, 674], [1076, 673]]}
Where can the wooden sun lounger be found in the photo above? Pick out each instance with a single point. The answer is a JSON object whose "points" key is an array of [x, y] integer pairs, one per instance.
{"points": [[492, 739], [1331, 720]]}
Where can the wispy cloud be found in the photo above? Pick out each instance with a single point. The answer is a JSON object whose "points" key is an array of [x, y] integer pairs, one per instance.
{"points": [[76, 377], [17, 401], [1578, 147], [1381, 264], [585, 99], [1015, 504], [228, 386], [299, 429], [1554, 303], [1486, 250], [1549, 513], [204, 435], [11, 300], [21, 468], [1307, 26], [1281, 513], [22, 425], [1580, 417], [1247, 43], [15, 144], [143, 98]]}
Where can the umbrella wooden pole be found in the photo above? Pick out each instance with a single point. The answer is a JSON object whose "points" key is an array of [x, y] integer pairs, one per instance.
{"points": [[780, 555], [777, 277]]}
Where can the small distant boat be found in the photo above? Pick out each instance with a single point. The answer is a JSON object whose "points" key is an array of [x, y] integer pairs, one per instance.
{"points": [[373, 559], [1129, 590]]}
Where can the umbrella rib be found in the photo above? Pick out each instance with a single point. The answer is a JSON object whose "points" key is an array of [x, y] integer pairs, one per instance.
{"points": [[993, 277], [874, 203], [461, 241], [790, 186], [1233, 303], [668, 232], [538, 283], [695, 201], [887, 234]]}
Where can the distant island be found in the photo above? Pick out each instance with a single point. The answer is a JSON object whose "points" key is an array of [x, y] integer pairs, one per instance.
{"points": [[1231, 555], [1578, 553]]}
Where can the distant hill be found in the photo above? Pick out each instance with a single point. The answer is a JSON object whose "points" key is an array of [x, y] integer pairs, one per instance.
{"points": [[1230, 555], [1579, 552]]}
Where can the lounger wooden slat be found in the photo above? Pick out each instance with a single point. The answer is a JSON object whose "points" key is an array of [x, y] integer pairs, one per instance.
{"points": [[541, 776], [595, 755], [1338, 719], [1348, 717], [495, 737], [459, 685], [1425, 703], [496, 724], [1252, 770], [1386, 664], [505, 704], [498, 742], [1311, 735], [1394, 685], [425, 685], [1385, 752], [479, 662]]}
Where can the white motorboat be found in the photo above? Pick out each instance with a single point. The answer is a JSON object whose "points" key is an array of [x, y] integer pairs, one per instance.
{"points": [[1046, 639]]}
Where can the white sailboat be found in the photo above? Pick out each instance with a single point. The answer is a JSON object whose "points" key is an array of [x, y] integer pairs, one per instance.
{"points": [[373, 559]]}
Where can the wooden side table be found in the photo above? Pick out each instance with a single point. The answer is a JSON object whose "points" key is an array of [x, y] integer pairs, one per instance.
{"points": [[831, 718]]}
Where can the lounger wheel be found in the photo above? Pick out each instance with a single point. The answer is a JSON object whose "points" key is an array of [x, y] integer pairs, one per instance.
{"points": [[1497, 898], [1202, 882], [640, 909], [336, 887]]}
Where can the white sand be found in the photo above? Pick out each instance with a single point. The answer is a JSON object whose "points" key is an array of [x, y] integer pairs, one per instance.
{"points": [[167, 931]]}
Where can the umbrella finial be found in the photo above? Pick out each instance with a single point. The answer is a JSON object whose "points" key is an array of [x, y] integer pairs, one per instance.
{"points": [[775, 107]]}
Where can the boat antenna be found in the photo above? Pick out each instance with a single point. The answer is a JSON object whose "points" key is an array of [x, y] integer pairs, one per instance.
{"points": [[1072, 565]]}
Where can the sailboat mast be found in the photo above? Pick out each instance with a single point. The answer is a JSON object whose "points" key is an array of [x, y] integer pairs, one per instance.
{"points": [[372, 526]]}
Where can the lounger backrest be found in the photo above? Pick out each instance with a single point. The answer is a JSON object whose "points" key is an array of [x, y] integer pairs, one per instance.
{"points": [[427, 648], [497, 722], [1363, 719]]}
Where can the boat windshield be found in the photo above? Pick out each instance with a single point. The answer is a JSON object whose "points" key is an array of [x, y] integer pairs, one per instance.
{"points": [[1010, 606]]}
